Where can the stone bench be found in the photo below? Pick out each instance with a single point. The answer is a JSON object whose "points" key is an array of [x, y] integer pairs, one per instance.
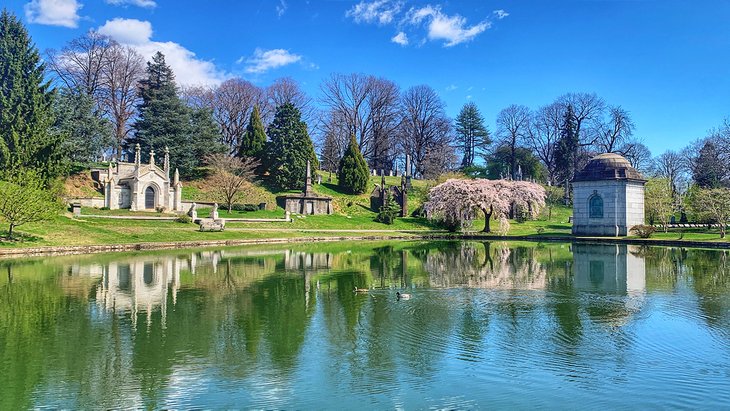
{"points": [[211, 225]]}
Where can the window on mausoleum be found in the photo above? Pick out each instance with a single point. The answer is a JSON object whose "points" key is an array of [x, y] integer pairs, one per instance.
{"points": [[595, 206]]}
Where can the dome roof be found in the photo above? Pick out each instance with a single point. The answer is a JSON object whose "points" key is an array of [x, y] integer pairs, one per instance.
{"points": [[608, 166]]}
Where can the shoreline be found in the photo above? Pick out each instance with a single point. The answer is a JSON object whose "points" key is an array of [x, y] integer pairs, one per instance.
{"points": [[22, 252]]}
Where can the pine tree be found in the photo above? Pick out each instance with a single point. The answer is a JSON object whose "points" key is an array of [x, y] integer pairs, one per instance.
{"points": [[26, 112], [289, 149], [165, 121], [566, 151], [709, 170], [253, 142], [86, 134], [353, 171], [566, 147], [473, 135]]}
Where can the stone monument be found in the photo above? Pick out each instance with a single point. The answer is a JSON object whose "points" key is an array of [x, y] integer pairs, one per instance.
{"points": [[307, 203]]}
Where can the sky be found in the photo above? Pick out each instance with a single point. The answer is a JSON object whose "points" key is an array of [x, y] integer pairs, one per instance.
{"points": [[666, 62]]}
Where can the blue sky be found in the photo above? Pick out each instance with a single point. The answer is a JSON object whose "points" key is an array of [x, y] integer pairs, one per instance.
{"points": [[666, 62]]}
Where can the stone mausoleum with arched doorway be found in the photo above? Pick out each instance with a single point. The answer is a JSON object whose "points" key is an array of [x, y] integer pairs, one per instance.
{"points": [[608, 197], [138, 186]]}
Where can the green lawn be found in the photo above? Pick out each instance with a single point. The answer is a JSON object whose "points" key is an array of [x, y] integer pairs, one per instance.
{"points": [[353, 219]]}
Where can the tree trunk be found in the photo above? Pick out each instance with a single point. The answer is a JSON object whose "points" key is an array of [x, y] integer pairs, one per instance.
{"points": [[10, 231], [487, 217]]}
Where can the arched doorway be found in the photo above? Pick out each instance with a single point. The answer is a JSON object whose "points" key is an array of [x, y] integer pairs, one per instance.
{"points": [[149, 198]]}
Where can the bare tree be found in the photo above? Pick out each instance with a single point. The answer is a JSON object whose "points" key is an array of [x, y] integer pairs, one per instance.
{"points": [[672, 166], [640, 157], [384, 102], [80, 64], [345, 95], [424, 126], [230, 176], [287, 90], [108, 72], [368, 108], [615, 134], [587, 107], [513, 124], [543, 134], [123, 68]]}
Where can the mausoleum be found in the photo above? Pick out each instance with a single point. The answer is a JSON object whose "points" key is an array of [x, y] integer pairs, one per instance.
{"points": [[138, 186], [608, 197], [307, 203]]}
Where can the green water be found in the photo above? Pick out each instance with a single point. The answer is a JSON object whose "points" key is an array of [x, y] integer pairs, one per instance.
{"points": [[500, 325]]}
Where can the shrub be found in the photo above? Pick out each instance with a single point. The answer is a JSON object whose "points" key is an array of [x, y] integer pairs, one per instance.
{"points": [[643, 231], [184, 219], [419, 212], [388, 211], [244, 207]]}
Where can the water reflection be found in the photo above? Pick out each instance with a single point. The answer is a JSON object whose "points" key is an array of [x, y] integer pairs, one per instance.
{"points": [[264, 327]]}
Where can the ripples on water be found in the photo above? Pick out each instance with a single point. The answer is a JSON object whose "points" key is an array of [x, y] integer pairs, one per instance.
{"points": [[487, 326]]}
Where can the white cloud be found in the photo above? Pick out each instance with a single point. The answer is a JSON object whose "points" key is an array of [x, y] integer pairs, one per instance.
{"points": [[500, 14], [452, 29], [62, 13], [378, 11], [188, 69], [127, 31], [139, 3], [400, 38], [281, 8], [265, 60], [451, 87]]}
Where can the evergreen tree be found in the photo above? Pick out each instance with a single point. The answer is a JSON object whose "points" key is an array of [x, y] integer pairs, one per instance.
{"points": [[709, 170], [353, 171], [289, 149], [165, 121], [86, 134], [566, 148], [26, 106], [253, 142], [473, 135]]}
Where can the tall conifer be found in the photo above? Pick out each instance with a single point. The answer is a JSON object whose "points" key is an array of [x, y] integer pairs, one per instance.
{"points": [[26, 112], [254, 139], [353, 171], [165, 121], [289, 149]]}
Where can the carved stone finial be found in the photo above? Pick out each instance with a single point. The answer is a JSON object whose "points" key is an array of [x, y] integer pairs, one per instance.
{"points": [[137, 158], [152, 157]]}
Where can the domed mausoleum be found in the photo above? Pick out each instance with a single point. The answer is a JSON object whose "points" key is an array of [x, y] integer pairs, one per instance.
{"points": [[608, 197]]}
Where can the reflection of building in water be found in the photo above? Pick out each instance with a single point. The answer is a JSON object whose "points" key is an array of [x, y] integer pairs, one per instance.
{"points": [[299, 260], [144, 283], [609, 268], [483, 266], [140, 285]]}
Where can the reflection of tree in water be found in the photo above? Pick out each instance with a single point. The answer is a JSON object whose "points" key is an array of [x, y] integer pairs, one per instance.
{"points": [[710, 273], [477, 265]]}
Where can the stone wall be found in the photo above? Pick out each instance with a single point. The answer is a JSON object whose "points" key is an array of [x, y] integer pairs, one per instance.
{"points": [[305, 205], [623, 207]]}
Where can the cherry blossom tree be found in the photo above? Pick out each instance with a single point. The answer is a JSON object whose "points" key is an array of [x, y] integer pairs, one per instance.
{"points": [[456, 201]]}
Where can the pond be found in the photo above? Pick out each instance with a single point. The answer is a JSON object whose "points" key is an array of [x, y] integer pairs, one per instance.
{"points": [[487, 325]]}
